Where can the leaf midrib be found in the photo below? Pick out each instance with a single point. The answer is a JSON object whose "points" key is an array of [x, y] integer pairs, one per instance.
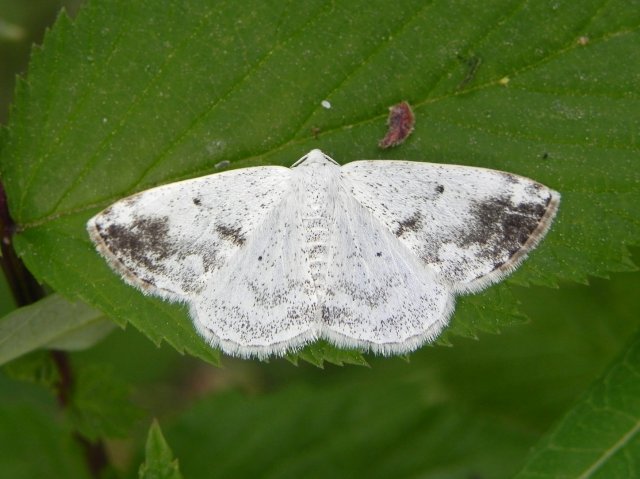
{"points": [[608, 453]]}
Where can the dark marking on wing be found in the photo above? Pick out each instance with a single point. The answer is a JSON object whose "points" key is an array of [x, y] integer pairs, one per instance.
{"points": [[534, 189], [510, 177], [536, 210], [210, 260], [500, 226], [335, 314], [440, 189], [197, 201], [410, 224], [130, 201], [379, 254], [231, 234], [371, 296], [144, 241]]}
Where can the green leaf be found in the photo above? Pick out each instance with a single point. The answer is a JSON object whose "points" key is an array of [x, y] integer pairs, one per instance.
{"points": [[131, 95], [100, 405], [34, 442], [37, 367], [363, 428], [33, 445], [159, 463], [320, 352], [52, 322], [600, 436], [7, 302]]}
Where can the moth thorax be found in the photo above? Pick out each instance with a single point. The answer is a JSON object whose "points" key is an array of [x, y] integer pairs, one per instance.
{"points": [[316, 232]]}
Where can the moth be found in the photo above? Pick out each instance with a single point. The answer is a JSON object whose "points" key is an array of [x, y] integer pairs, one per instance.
{"points": [[368, 255]]}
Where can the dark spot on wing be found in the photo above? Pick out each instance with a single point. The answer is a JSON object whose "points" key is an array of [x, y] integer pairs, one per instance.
{"points": [[511, 178], [410, 224], [534, 190], [373, 296], [131, 200], [259, 258], [210, 260], [197, 202], [335, 314], [500, 226], [144, 241], [231, 234], [440, 189], [379, 254], [536, 210]]}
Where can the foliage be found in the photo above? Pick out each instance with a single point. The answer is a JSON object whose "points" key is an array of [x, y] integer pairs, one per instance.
{"points": [[159, 459], [53, 323], [130, 95], [600, 436]]}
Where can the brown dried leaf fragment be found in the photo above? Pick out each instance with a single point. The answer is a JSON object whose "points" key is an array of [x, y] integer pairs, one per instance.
{"points": [[401, 122]]}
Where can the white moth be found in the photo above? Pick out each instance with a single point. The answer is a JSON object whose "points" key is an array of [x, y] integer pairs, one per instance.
{"points": [[368, 255]]}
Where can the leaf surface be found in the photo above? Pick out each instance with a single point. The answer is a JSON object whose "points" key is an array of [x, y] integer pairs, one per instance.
{"points": [[35, 443], [159, 462], [363, 429], [52, 322], [131, 96], [100, 405], [600, 436]]}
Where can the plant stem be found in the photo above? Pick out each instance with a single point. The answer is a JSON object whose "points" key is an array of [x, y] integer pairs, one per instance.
{"points": [[26, 290], [24, 287], [94, 452]]}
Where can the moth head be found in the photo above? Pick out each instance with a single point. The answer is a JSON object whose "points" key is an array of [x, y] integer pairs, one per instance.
{"points": [[315, 157]]}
